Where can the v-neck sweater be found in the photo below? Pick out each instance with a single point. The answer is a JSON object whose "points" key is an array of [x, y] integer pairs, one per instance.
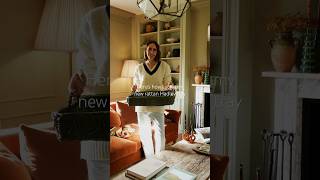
{"points": [[151, 80]]}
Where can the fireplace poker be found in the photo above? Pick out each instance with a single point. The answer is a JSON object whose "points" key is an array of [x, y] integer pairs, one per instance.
{"points": [[199, 115], [241, 171], [276, 151], [283, 136], [271, 164], [290, 140], [264, 135], [271, 156], [258, 174]]}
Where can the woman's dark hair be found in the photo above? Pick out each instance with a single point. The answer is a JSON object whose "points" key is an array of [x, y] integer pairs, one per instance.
{"points": [[157, 58]]}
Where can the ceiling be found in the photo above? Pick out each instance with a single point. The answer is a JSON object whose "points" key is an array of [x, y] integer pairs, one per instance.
{"points": [[127, 5]]}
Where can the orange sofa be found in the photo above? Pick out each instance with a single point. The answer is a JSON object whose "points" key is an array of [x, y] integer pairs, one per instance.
{"points": [[125, 152], [38, 155]]}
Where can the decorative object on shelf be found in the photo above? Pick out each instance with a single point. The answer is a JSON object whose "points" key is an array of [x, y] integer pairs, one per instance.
{"points": [[176, 52], [199, 74], [171, 40], [310, 55], [206, 77], [284, 47], [164, 10], [168, 54], [166, 26], [283, 52], [198, 79], [217, 24], [150, 27]]}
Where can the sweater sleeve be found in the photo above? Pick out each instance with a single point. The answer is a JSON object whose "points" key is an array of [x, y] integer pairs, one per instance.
{"points": [[85, 57], [167, 76], [136, 79]]}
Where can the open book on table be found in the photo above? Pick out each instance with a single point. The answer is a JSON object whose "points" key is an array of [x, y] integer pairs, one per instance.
{"points": [[174, 173]]}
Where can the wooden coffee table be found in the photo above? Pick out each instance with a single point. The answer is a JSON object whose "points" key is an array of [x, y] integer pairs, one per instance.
{"points": [[195, 163]]}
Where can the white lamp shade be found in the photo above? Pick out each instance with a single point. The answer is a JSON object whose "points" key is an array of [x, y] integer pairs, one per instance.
{"points": [[128, 69], [60, 23]]}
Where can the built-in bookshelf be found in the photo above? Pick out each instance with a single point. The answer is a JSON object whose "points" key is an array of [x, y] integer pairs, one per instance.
{"points": [[169, 37]]}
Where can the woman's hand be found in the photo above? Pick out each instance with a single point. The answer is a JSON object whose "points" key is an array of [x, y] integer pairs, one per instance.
{"points": [[77, 84], [134, 88]]}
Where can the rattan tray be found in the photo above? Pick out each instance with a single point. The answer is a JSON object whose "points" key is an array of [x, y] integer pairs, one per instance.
{"points": [[151, 98]]}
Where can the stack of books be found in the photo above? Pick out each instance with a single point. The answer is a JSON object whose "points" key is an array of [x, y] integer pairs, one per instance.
{"points": [[145, 169]]}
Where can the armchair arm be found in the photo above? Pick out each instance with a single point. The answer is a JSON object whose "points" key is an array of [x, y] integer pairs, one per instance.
{"points": [[174, 115]]}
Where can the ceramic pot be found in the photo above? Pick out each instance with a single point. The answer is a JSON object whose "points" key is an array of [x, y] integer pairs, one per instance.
{"points": [[185, 135], [192, 138], [198, 79], [283, 52], [149, 28]]}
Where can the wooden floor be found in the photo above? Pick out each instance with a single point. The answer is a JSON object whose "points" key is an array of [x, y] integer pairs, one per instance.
{"points": [[192, 162]]}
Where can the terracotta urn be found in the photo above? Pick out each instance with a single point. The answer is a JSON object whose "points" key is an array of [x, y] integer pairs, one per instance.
{"points": [[198, 79], [283, 52]]}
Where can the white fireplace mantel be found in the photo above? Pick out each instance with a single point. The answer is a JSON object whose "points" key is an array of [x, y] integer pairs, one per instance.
{"points": [[290, 89]]}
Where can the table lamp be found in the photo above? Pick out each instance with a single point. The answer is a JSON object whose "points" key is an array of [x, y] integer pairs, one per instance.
{"points": [[59, 25], [128, 69]]}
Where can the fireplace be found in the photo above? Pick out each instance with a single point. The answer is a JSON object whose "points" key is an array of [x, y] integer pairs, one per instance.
{"points": [[297, 110], [310, 148], [201, 107]]}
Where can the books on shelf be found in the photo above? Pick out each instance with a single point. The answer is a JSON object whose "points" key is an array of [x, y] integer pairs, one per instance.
{"points": [[145, 169], [174, 173]]}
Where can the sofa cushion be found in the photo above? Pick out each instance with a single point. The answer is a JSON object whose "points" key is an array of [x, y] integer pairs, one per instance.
{"points": [[127, 113], [11, 167], [46, 158], [113, 105], [115, 120], [173, 115], [135, 136], [171, 127], [121, 147]]}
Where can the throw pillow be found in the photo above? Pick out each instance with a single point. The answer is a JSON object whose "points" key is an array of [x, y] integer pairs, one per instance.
{"points": [[127, 113], [173, 115], [11, 167], [115, 120], [46, 158]]}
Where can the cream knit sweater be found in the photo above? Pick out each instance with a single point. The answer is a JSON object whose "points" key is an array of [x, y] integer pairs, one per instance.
{"points": [[151, 79]]}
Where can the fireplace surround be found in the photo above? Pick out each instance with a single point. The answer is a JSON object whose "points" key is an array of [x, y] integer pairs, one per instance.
{"points": [[292, 91]]}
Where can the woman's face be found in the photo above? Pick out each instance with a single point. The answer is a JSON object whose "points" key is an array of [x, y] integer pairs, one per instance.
{"points": [[151, 51]]}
